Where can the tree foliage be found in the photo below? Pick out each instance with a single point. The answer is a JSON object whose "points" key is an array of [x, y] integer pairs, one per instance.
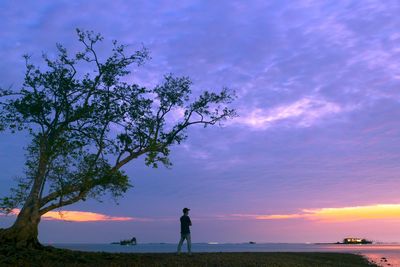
{"points": [[85, 126]]}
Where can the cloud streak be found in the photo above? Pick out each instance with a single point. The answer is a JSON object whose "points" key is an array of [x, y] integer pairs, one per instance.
{"points": [[82, 216], [302, 113], [341, 214]]}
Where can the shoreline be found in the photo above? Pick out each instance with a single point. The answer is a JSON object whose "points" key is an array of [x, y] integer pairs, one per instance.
{"points": [[50, 256], [382, 260]]}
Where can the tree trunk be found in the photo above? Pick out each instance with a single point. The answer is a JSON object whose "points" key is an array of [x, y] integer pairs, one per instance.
{"points": [[24, 232]]}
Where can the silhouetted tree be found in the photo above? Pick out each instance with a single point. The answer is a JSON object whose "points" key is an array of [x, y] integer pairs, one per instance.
{"points": [[86, 125]]}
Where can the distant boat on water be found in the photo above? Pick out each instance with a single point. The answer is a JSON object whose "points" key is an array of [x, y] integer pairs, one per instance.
{"points": [[127, 242], [355, 240]]}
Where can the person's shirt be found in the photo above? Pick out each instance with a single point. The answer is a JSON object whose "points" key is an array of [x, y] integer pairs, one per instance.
{"points": [[185, 223]]}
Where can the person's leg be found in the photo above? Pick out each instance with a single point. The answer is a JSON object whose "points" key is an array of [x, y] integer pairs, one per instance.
{"points": [[189, 243], [180, 243]]}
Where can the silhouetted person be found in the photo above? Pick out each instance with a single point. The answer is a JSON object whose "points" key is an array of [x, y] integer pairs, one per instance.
{"points": [[185, 231]]}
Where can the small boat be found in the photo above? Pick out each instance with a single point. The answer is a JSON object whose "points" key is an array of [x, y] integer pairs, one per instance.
{"points": [[128, 242], [356, 240]]}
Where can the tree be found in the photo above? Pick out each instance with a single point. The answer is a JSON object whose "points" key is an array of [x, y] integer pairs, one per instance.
{"points": [[85, 126]]}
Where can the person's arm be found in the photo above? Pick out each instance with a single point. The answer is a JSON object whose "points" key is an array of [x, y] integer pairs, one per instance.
{"points": [[190, 222]]}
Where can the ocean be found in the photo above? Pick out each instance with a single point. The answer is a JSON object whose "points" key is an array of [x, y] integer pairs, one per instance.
{"points": [[375, 252]]}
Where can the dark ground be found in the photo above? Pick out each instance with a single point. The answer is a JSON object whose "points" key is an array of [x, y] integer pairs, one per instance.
{"points": [[62, 257]]}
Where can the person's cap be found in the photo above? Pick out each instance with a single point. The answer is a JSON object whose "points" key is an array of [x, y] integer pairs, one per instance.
{"points": [[185, 210]]}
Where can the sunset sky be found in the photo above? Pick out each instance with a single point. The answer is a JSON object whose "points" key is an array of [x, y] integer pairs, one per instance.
{"points": [[314, 155]]}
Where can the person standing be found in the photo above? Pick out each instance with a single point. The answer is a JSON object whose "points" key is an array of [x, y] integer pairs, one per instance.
{"points": [[185, 231]]}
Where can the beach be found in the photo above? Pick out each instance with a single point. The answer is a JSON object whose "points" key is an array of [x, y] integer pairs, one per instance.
{"points": [[382, 254], [63, 257]]}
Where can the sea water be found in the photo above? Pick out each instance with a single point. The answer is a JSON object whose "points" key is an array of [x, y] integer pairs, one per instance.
{"points": [[374, 252]]}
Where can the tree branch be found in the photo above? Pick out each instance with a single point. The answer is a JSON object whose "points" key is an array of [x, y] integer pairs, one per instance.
{"points": [[60, 204]]}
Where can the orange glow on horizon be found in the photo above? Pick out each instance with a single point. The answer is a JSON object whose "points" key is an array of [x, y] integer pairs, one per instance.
{"points": [[79, 216], [345, 214], [341, 214], [82, 216]]}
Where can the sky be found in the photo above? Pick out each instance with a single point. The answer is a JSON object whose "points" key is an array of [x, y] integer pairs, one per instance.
{"points": [[314, 154]]}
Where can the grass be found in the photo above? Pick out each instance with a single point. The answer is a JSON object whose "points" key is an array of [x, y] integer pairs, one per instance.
{"points": [[62, 257]]}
